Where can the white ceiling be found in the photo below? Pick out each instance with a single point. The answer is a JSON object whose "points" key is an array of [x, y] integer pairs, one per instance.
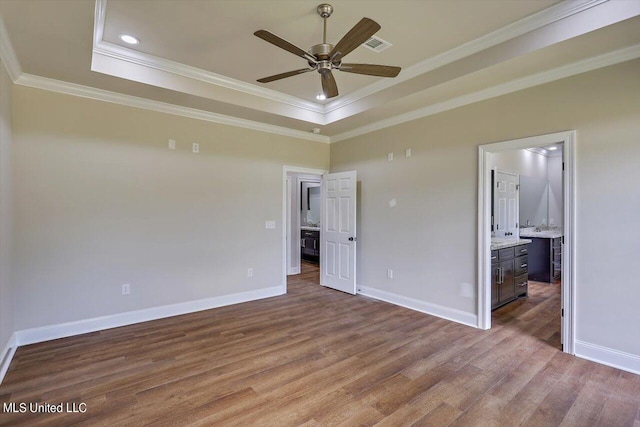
{"points": [[202, 55]]}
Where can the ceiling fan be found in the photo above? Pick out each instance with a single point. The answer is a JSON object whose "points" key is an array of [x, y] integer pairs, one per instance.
{"points": [[325, 57]]}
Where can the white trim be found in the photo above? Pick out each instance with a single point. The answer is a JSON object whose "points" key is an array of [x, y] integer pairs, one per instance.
{"points": [[533, 22], [7, 355], [62, 330], [447, 313], [146, 60], [7, 54], [294, 270], [484, 228], [147, 104], [607, 356], [290, 169], [568, 272], [578, 67], [525, 25]]}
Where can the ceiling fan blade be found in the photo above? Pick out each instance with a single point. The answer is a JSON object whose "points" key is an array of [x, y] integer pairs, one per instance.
{"points": [[371, 70], [329, 86], [359, 34], [283, 44], [284, 75]]}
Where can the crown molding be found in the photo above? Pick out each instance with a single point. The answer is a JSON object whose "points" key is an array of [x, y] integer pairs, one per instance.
{"points": [[162, 107], [7, 54], [578, 67], [518, 28], [511, 31], [146, 60]]}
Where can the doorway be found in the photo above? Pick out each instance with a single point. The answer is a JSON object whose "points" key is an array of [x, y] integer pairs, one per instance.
{"points": [[301, 254], [565, 267]]}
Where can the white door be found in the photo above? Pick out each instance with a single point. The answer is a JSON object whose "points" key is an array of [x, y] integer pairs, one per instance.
{"points": [[338, 232], [506, 204]]}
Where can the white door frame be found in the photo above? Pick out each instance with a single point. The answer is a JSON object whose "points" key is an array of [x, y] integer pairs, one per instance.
{"points": [[290, 169], [568, 138]]}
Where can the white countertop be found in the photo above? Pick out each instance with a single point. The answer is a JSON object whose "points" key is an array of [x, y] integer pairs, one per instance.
{"points": [[545, 234], [306, 227], [501, 243]]}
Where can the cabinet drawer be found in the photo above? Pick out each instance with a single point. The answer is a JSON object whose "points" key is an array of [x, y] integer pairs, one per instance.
{"points": [[521, 250], [506, 253], [521, 265], [494, 256], [522, 284]]}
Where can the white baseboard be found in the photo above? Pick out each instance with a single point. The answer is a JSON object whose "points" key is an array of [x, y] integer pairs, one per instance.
{"points": [[452, 314], [293, 270], [62, 330], [6, 356], [617, 359]]}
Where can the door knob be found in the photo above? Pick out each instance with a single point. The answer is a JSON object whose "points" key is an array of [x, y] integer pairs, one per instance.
{"points": [[352, 239]]}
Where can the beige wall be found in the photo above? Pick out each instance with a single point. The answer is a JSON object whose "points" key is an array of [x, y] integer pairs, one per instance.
{"points": [[430, 237], [101, 201], [6, 288]]}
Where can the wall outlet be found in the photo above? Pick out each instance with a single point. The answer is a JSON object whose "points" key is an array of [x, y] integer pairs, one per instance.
{"points": [[270, 224], [389, 157], [389, 274], [126, 289], [196, 147], [407, 152], [393, 203], [249, 272], [172, 144]]}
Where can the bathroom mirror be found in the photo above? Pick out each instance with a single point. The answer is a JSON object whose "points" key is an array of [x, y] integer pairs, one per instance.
{"points": [[310, 203], [534, 201]]}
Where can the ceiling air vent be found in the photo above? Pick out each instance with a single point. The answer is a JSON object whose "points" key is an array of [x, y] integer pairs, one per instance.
{"points": [[376, 44]]}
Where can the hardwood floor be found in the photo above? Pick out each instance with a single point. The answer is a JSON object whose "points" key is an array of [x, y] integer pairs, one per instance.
{"points": [[320, 357]]}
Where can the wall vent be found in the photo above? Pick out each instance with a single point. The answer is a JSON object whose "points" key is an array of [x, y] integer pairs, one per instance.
{"points": [[376, 44]]}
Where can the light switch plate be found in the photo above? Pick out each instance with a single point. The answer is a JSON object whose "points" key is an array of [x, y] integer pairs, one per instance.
{"points": [[389, 156], [270, 224], [172, 144], [196, 147], [407, 152]]}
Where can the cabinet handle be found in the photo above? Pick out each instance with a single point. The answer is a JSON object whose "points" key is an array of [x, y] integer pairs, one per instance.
{"points": [[523, 265], [523, 250], [523, 284], [498, 275], [502, 275], [302, 243], [314, 243], [493, 257]]}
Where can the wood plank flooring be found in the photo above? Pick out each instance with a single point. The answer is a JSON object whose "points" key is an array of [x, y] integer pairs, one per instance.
{"points": [[318, 357]]}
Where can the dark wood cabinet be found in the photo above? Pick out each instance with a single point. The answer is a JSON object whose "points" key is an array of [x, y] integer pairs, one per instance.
{"points": [[509, 280], [310, 245], [545, 259]]}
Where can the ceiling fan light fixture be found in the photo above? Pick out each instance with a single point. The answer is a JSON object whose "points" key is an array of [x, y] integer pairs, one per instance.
{"points": [[129, 39]]}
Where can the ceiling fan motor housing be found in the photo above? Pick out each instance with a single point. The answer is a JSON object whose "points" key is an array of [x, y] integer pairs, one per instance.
{"points": [[321, 53]]}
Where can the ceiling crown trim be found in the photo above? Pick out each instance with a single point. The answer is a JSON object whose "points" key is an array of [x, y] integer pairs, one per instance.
{"points": [[511, 31], [151, 61], [7, 54], [82, 91], [199, 82], [578, 67]]}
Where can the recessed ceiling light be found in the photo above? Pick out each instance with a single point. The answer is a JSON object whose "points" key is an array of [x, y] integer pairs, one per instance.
{"points": [[321, 97], [553, 148], [129, 39]]}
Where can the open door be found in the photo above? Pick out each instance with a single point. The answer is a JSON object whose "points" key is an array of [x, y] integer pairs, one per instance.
{"points": [[506, 204], [338, 232]]}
